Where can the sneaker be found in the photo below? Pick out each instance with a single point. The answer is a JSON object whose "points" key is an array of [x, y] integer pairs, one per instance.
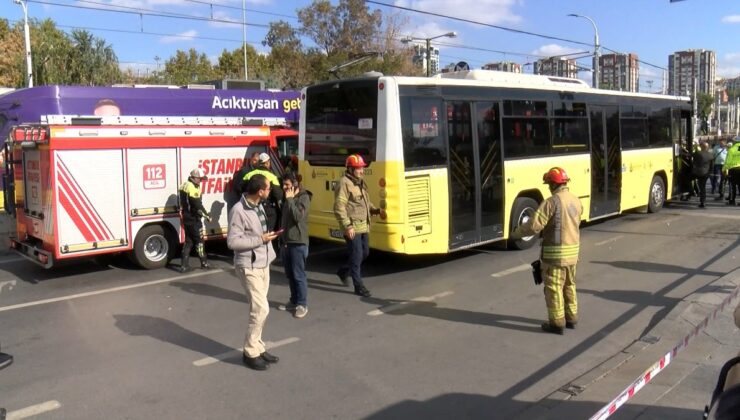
{"points": [[289, 306], [547, 327], [205, 266], [701, 206], [362, 291], [300, 311], [342, 274], [269, 358], [256, 363]]}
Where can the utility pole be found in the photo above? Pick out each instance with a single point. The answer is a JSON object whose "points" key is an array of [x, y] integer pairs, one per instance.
{"points": [[27, 33]]}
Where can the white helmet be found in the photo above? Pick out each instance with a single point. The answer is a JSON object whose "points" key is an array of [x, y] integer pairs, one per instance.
{"points": [[198, 173]]}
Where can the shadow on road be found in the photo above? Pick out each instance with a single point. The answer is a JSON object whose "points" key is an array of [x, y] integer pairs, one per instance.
{"points": [[651, 267], [170, 332], [476, 406]]}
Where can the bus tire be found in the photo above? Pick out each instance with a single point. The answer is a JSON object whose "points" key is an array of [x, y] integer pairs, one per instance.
{"points": [[521, 211], [656, 197], [153, 247]]}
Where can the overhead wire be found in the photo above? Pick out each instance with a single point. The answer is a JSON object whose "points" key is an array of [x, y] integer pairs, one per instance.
{"points": [[504, 28]]}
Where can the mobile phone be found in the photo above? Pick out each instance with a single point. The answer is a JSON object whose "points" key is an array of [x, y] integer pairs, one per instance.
{"points": [[279, 231]]}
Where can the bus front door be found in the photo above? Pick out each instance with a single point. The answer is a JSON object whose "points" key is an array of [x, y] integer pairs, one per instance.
{"points": [[475, 173], [606, 161]]}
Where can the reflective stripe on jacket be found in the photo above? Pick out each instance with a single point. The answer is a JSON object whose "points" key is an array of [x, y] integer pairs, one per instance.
{"points": [[557, 218], [352, 204]]}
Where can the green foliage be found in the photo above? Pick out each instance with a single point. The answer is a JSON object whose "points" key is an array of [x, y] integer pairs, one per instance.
{"points": [[704, 105], [188, 68]]}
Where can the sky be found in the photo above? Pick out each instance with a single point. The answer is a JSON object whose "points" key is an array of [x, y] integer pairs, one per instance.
{"points": [[652, 29]]}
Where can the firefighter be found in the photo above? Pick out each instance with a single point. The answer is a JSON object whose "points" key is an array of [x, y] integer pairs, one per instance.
{"points": [[191, 204], [275, 199], [352, 208], [558, 218]]}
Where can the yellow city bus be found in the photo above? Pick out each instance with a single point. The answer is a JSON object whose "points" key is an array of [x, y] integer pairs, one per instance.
{"points": [[456, 160]]}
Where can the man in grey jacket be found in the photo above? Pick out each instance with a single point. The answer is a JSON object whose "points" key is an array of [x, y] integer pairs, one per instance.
{"points": [[250, 240]]}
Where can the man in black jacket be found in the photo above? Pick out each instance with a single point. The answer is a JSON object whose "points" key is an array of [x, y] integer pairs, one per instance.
{"points": [[701, 167]]}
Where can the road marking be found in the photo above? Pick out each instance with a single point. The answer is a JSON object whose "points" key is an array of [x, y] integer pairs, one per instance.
{"points": [[111, 290], [33, 410], [269, 345], [708, 214], [614, 239], [670, 219], [518, 268], [13, 259], [10, 283], [402, 305]]}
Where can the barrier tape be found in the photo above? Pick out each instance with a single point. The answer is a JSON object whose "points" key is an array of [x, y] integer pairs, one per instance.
{"points": [[661, 364]]}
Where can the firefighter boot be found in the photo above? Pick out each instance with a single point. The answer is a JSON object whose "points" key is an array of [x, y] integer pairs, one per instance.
{"points": [[201, 249], [185, 264], [548, 327]]}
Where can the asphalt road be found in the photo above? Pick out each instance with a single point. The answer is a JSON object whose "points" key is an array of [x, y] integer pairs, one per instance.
{"points": [[442, 336]]}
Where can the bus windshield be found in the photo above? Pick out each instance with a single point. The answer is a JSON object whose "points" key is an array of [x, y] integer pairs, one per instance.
{"points": [[341, 119]]}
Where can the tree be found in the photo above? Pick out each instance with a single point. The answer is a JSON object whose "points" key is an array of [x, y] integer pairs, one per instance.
{"points": [[188, 67], [704, 108], [12, 64], [92, 61]]}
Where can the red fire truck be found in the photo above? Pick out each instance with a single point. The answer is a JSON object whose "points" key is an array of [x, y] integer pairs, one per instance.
{"points": [[85, 186]]}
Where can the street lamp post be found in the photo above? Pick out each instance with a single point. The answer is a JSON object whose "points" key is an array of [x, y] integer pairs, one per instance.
{"points": [[429, 46], [596, 48], [244, 36], [29, 67]]}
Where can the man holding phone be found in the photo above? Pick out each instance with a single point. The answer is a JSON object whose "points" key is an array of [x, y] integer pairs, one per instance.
{"points": [[249, 238], [294, 243]]}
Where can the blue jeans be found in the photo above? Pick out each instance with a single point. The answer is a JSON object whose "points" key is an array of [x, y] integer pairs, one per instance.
{"points": [[358, 249], [294, 261]]}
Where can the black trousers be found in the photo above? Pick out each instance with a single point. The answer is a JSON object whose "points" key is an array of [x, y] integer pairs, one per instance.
{"points": [[701, 183]]}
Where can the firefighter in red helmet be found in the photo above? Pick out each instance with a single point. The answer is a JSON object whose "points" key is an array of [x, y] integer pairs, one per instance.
{"points": [[557, 218], [352, 208]]}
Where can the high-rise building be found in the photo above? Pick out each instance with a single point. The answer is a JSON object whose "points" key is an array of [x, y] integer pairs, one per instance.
{"points": [[508, 66], [556, 66], [619, 72], [688, 67], [420, 57]]}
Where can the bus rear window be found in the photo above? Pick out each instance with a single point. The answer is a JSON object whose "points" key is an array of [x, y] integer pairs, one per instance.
{"points": [[341, 119]]}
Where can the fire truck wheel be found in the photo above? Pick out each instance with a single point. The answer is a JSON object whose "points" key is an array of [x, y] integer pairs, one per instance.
{"points": [[152, 248], [521, 211]]}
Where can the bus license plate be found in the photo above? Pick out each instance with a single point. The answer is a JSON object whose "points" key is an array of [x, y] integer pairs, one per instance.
{"points": [[336, 233]]}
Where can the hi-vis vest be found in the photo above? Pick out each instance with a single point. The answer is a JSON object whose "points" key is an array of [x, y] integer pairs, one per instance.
{"points": [[558, 218]]}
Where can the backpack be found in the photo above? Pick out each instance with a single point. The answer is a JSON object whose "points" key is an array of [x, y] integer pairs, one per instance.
{"points": [[725, 403]]}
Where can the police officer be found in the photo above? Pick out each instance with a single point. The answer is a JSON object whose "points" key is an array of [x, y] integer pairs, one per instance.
{"points": [[352, 208], [731, 169], [275, 199], [191, 204], [558, 218]]}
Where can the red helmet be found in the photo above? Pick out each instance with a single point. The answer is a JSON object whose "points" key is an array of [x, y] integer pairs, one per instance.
{"points": [[355, 161], [555, 176]]}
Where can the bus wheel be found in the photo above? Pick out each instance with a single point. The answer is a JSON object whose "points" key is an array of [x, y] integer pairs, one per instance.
{"points": [[152, 247], [657, 195], [522, 211]]}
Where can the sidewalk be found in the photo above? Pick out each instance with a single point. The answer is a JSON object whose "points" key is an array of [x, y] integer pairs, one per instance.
{"points": [[682, 389]]}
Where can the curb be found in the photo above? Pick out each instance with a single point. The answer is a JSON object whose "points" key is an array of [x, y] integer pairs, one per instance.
{"points": [[688, 313]]}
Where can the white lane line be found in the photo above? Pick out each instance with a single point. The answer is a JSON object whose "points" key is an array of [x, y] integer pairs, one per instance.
{"points": [[269, 345], [111, 290], [33, 410], [518, 268], [9, 283], [708, 214], [614, 239], [402, 305], [670, 219], [10, 260]]}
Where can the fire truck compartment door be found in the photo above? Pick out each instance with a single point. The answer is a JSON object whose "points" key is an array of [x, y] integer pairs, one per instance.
{"points": [[152, 180], [91, 199]]}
